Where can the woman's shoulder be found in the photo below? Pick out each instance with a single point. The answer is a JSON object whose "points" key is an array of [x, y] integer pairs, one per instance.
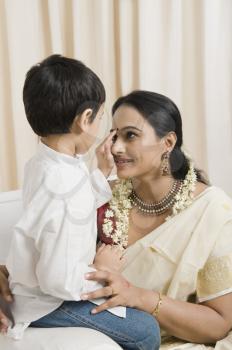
{"points": [[213, 195], [211, 190], [200, 188]]}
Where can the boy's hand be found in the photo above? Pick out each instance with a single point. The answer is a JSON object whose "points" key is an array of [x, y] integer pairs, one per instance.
{"points": [[6, 296], [109, 258], [104, 156]]}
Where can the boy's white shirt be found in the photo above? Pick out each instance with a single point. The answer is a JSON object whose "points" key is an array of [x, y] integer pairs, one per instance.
{"points": [[54, 242]]}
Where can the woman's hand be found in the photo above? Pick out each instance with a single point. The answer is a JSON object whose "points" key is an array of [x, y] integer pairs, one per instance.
{"points": [[104, 156], [6, 295], [118, 290]]}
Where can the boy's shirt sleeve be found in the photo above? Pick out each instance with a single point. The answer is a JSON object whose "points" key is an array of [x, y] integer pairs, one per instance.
{"points": [[55, 240], [101, 187]]}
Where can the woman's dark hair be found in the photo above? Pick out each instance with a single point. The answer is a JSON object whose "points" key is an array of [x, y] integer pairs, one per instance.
{"points": [[164, 116], [56, 91]]}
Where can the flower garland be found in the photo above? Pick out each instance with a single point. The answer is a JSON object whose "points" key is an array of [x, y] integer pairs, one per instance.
{"points": [[184, 198], [120, 205]]}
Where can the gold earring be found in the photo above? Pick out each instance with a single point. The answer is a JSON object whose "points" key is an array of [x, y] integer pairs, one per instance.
{"points": [[165, 165]]}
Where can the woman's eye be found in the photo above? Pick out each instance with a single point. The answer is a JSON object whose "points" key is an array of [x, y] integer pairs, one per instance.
{"points": [[130, 135]]}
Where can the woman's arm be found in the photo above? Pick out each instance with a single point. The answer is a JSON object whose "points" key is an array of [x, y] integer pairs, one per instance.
{"points": [[200, 323]]}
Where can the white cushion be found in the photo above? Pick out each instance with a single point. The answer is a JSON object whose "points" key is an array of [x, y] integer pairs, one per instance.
{"points": [[43, 338], [59, 339]]}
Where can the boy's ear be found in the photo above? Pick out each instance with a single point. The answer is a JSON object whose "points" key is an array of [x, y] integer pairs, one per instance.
{"points": [[83, 120]]}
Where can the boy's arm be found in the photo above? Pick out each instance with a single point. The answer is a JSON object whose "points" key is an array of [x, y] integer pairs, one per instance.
{"points": [[105, 166], [4, 284], [104, 156], [54, 241], [5, 299], [101, 187], [4, 270]]}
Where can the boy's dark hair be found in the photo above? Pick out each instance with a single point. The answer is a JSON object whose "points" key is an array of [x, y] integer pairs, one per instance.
{"points": [[56, 91]]}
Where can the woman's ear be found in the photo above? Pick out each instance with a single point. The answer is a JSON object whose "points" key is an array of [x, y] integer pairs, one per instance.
{"points": [[170, 141], [82, 121]]}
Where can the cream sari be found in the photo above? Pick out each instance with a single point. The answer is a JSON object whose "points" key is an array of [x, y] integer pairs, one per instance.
{"points": [[189, 254]]}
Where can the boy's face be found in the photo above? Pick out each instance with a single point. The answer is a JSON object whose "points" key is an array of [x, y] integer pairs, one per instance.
{"points": [[91, 131]]}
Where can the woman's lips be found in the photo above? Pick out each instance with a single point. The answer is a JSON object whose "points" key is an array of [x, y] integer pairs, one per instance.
{"points": [[122, 162]]}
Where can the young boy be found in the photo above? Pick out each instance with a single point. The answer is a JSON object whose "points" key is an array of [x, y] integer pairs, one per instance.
{"points": [[54, 243]]}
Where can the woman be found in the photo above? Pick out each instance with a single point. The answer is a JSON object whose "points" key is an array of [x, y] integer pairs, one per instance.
{"points": [[177, 230], [174, 227]]}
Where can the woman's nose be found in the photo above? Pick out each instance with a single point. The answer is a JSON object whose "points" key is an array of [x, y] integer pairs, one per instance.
{"points": [[118, 146]]}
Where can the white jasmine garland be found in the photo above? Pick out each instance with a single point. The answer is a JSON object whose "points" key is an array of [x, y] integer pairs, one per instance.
{"points": [[120, 205], [109, 213], [107, 227], [184, 198]]}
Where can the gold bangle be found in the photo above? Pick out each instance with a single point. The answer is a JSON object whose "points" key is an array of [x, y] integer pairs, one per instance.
{"points": [[156, 310]]}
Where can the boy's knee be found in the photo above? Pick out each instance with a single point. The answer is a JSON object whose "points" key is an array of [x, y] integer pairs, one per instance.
{"points": [[151, 333]]}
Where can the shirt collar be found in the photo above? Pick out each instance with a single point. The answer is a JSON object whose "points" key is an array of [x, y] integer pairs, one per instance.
{"points": [[57, 156]]}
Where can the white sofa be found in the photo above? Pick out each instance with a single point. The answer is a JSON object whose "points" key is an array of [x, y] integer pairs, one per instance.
{"points": [[35, 338]]}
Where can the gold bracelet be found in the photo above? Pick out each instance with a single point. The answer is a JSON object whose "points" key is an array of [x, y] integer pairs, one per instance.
{"points": [[156, 310]]}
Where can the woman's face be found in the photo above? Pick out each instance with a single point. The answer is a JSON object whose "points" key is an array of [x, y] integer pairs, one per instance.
{"points": [[137, 149]]}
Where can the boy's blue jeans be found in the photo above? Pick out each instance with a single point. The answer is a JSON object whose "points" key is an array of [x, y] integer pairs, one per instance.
{"points": [[138, 331]]}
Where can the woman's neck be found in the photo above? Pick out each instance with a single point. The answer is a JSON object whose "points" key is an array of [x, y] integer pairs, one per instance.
{"points": [[152, 190]]}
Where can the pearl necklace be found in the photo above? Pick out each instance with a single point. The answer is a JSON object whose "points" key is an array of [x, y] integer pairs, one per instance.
{"points": [[116, 220], [161, 206]]}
